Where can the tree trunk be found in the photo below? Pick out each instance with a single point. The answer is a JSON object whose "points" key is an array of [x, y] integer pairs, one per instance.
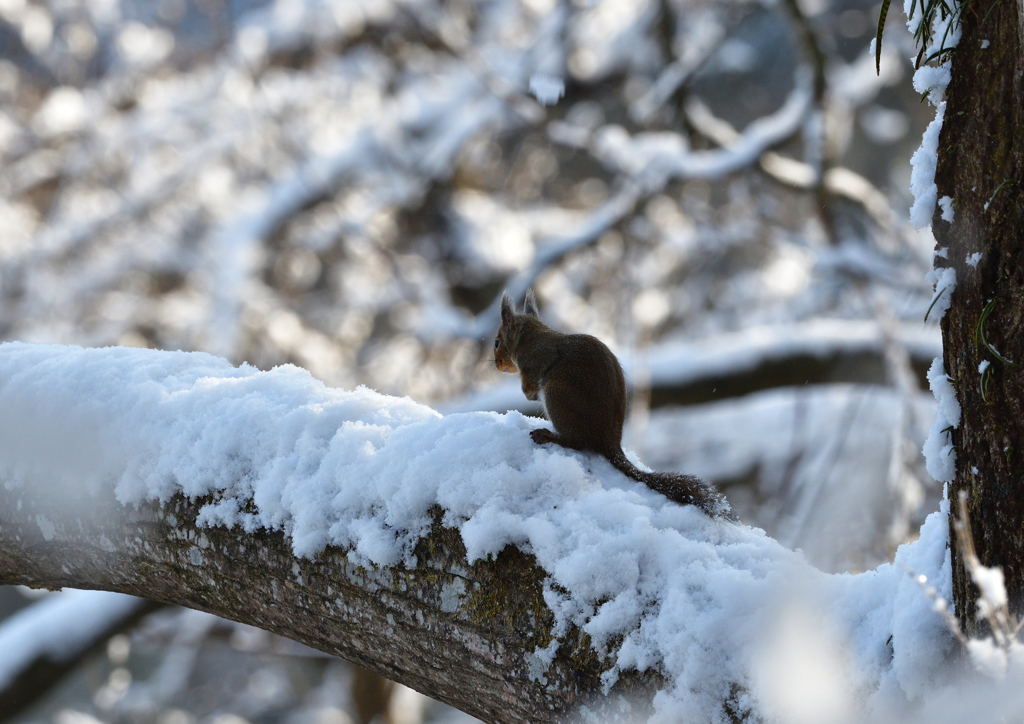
{"points": [[981, 166], [464, 634]]}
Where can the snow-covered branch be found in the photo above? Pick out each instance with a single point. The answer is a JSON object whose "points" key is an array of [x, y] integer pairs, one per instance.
{"points": [[647, 163], [466, 631], [449, 553], [551, 252], [837, 179]]}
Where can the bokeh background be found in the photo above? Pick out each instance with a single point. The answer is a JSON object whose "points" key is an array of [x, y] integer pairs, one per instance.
{"points": [[718, 189]]}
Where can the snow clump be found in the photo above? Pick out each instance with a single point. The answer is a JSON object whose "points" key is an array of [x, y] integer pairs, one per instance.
{"points": [[939, 453], [930, 80], [946, 204]]}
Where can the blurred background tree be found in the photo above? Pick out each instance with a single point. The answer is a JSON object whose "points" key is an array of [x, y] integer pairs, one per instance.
{"points": [[717, 189]]}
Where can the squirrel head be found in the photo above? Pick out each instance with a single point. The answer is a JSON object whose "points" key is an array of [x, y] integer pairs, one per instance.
{"points": [[510, 333]]}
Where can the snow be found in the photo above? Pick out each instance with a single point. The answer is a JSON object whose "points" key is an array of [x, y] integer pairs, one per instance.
{"points": [[946, 204], [982, 366], [920, 641], [652, 583], [938, 380], [922, 175], [987, 657], [944, 279], [993, 591], [57, 628], [939, 454], [547, 88], [973, 259], [654, 158], [931, 80]]}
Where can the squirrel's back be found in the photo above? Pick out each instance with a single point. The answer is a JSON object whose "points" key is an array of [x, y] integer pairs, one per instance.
{"points": [[584, 394]]}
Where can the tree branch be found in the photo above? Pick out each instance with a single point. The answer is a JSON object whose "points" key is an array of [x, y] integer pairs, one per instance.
{"points": [[646, 163], [450, 553], [463, 634]]}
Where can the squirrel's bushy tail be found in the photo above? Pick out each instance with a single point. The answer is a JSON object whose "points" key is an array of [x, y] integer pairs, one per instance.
{"points": [[683, 489]]}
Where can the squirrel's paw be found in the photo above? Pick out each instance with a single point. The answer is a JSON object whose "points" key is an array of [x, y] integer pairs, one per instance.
{"points": [[542, 435]]}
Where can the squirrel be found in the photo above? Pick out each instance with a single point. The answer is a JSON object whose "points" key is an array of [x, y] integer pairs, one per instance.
{"points": [[579, 383]]}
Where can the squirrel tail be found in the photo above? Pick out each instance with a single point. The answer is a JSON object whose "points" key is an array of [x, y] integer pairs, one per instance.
{"points": [[683, 489]]}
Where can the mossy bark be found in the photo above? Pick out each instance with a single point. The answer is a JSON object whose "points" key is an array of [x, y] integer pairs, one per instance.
{"points": [[461, 633], [981, 167]]}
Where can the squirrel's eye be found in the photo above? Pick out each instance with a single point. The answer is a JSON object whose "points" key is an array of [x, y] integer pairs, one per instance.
{"points": [[495, 344]]}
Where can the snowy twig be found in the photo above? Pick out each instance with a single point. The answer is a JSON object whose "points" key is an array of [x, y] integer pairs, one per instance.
{"points": [[553, 251], [705, 39], [649, 159], [837, 180], [646, 174]]}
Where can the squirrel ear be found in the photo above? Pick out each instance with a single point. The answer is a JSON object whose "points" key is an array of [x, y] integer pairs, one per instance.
{"points": [[508, 312], [530, 305]]}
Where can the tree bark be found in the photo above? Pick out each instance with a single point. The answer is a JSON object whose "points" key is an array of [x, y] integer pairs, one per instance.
{"points": [[458, 632], [981, 166]]}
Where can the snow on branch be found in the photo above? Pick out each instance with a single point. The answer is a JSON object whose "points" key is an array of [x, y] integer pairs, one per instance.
{"points": [[54, 628], [449, 553], [549, 253], [837, 180], [656, 158]]}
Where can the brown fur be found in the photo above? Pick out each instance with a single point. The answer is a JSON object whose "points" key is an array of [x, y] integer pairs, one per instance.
{"points": [[581, 386]]}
